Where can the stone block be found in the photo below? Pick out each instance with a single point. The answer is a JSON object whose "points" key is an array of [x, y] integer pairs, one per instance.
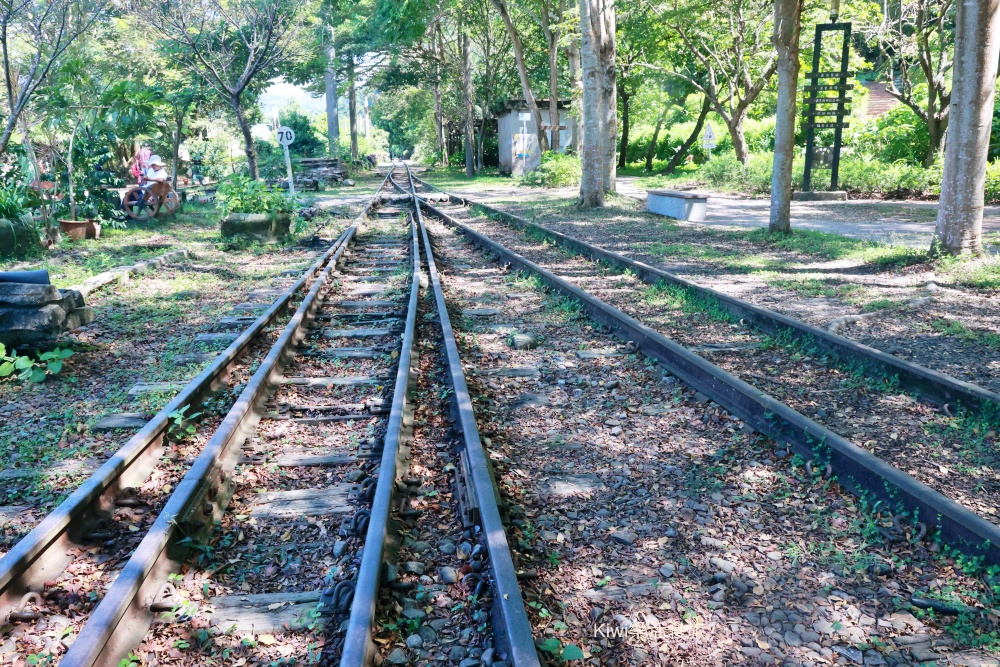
{"points": [[27, 295], [263, 225], [679, 205], [31, 325]]}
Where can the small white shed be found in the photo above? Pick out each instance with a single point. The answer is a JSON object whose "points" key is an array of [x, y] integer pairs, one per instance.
{"points": [[519, 152]]}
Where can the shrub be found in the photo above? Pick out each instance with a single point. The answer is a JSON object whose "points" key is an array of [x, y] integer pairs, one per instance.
{"points": [[240, 194], [867, 176], [993, 181], [897, 135], [18, 236], [556, 170]]}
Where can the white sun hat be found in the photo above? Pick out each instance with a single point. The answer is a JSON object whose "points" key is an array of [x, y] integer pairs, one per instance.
{"points": [[156, 159]]}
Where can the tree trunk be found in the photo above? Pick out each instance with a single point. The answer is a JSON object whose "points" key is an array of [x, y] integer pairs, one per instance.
{"points": [[330, 89], [576, 81], [241, 122], [177, 148], [69, 172], [593, 154], [787, 26], [554, 90], [651, 149], [734, 124], [977, 46], [439, 122], [936, 129], [609, 72], [623, 150], [522, 73], [481, 140], [681, 152], [470, 158], [352, 105]]}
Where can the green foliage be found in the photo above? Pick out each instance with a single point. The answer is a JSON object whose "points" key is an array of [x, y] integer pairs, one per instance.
{"points": [[896, 135], [993, 181], [49, 363], [860, 176], [182, 428], [556, 170], [241, 194], [308, 143]]}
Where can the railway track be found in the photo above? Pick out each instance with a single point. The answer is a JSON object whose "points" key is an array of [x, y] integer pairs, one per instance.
{"points": [[93, 527], [734, 381], [656, 514], [364, 502], [291, 518]]}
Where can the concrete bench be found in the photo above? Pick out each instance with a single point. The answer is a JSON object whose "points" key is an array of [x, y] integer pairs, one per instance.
{"points": [[680, 205]]}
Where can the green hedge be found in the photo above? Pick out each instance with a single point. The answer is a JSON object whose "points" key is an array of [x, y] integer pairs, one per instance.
{"points": [[859, 176], [556, 170]]}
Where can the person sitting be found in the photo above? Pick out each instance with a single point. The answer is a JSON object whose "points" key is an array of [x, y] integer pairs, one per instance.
{"points": [[155, 172]]}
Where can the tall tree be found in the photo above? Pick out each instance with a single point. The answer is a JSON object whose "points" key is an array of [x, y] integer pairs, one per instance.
{"points": [[34, 37], [522, 71], [734, 63], [919, 35], [550, 19], [977, 46], [597, 48], [232, 46], [352, 105], [787, 27], [330, 95], [439, 65], [470, 158]]}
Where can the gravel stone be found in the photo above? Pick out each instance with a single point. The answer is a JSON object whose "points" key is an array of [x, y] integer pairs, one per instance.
{"points": [[397, 657], [414, 641], [624, 537], [449, 575]]}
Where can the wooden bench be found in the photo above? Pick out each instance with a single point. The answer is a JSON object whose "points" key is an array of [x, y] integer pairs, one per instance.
{"points": [[680, 205]]}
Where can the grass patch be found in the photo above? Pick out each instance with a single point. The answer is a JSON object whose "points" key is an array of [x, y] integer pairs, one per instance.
{"points": [[951, 327], [818, 287], [834, 246], [447, 177]]}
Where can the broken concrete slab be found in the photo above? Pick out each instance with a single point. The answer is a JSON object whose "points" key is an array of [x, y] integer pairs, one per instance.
{"points": [[123, 420]]}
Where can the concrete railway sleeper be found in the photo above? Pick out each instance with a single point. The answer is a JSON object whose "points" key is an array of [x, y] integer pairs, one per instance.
{"points": [[84, 526], [660, 526], [888, 488]]}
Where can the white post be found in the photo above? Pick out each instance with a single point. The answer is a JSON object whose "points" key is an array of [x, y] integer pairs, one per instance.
{"points": [[291, 178]]}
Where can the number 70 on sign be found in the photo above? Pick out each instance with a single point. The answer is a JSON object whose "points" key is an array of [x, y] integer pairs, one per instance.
{"points": [[286, 135]]}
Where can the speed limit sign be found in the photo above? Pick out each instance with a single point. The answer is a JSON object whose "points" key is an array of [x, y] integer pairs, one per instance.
{"points": [[286, 135]]}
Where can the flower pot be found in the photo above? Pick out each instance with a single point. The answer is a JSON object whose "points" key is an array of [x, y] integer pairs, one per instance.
{"points": [[262, 225], [81, 229]]}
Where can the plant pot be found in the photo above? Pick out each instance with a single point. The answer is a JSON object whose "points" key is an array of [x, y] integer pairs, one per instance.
{"points": [[81, 229], [261, 225]]}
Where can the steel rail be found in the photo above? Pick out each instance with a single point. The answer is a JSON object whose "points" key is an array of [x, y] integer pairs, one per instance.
{"points": [[857, 470], [42, 554], [359, 650], [122, 618], [510, 620], [934, 386]]}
